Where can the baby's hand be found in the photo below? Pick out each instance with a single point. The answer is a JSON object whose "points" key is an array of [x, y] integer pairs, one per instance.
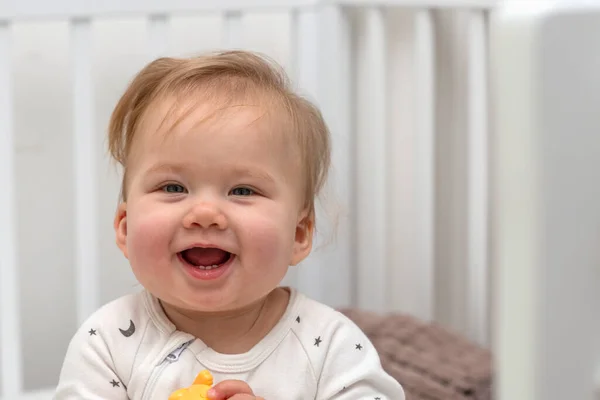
{"points": [[232, 390]]}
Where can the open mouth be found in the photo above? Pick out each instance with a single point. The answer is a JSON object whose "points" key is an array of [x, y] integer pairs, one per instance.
{"points": [[205, 258]]}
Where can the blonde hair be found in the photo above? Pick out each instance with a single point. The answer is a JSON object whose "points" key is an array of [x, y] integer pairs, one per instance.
{"points": [[233, 74]]}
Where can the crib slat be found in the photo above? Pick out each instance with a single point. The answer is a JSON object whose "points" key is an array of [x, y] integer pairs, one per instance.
{"points": [[305, 58], [292, 276], [337, 227], [85, 171], [371, 165], [317, 37], [477, 264], [233, 30], [401, 180], [304, 54], [10, 338], [424, 160], [158, 25]]}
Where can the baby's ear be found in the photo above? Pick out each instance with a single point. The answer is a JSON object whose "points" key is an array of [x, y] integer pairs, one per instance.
{"points": [[120, 225], [304, 237]]}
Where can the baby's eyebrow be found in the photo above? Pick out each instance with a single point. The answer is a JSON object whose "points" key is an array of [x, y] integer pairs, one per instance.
{"points": [[243, 171], [255, 173], [165, 167]]}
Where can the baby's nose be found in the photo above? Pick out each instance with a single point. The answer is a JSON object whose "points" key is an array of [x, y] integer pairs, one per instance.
{"points": [[205, 215]]}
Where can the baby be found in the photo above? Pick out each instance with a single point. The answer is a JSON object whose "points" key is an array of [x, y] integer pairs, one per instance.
{"points": [[222, 163]]}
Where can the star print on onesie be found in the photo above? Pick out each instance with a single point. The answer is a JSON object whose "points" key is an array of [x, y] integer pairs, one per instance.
{"points": [[129, 350]]}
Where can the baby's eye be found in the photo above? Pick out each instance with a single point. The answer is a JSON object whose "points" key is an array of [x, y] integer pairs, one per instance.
{"points": [[173, 188], [242, 191]]}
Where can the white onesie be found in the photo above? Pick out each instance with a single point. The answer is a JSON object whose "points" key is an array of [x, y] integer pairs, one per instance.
{"points": [[130, 350]]}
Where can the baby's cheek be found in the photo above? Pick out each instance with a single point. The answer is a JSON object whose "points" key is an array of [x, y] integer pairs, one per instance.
{"points": [[271, 239], [148, 236]]}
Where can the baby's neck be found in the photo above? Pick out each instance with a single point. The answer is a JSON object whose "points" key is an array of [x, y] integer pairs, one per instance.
{"points": [[235, 332]]}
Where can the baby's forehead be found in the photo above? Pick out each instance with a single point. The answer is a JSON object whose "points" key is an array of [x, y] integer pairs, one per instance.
{"points": [[171, 113], [173, 117], [167, 113]]}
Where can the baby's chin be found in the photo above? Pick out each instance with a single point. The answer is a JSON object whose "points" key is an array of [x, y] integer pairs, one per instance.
{"points": [[203, 304]]}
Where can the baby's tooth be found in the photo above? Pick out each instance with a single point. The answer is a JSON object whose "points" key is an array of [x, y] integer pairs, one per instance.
{"points": [[207, 267]]}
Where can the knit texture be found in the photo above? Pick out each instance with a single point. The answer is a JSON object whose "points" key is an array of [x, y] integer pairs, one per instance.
{"points": [[429, 361]]}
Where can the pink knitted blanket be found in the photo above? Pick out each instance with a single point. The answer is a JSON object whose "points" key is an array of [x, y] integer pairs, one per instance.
{"points": [[429, 361]]}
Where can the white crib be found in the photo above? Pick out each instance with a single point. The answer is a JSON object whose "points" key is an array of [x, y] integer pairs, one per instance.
{"points": [[405, 87]]}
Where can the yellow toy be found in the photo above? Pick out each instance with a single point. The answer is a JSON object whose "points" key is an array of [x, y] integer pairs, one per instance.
{"points": [[198, 390]]}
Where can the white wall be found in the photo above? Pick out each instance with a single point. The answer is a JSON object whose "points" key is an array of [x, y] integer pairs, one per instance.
{"points": [[547, 214], [45, 180]]}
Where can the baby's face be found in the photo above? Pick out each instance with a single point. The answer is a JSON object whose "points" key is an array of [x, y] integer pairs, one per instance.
{"points": [[213, 216]]}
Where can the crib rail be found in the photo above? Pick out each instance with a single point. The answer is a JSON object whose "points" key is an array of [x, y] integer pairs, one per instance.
{"points": [[385, 141], [26, 9], [74, 9]]}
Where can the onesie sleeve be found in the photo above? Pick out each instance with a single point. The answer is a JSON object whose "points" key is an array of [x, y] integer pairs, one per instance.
{"points": [[88, 371], [352, 368]]}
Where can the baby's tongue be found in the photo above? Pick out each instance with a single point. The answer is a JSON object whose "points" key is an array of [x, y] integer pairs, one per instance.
{"points": [[200, 256]]}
